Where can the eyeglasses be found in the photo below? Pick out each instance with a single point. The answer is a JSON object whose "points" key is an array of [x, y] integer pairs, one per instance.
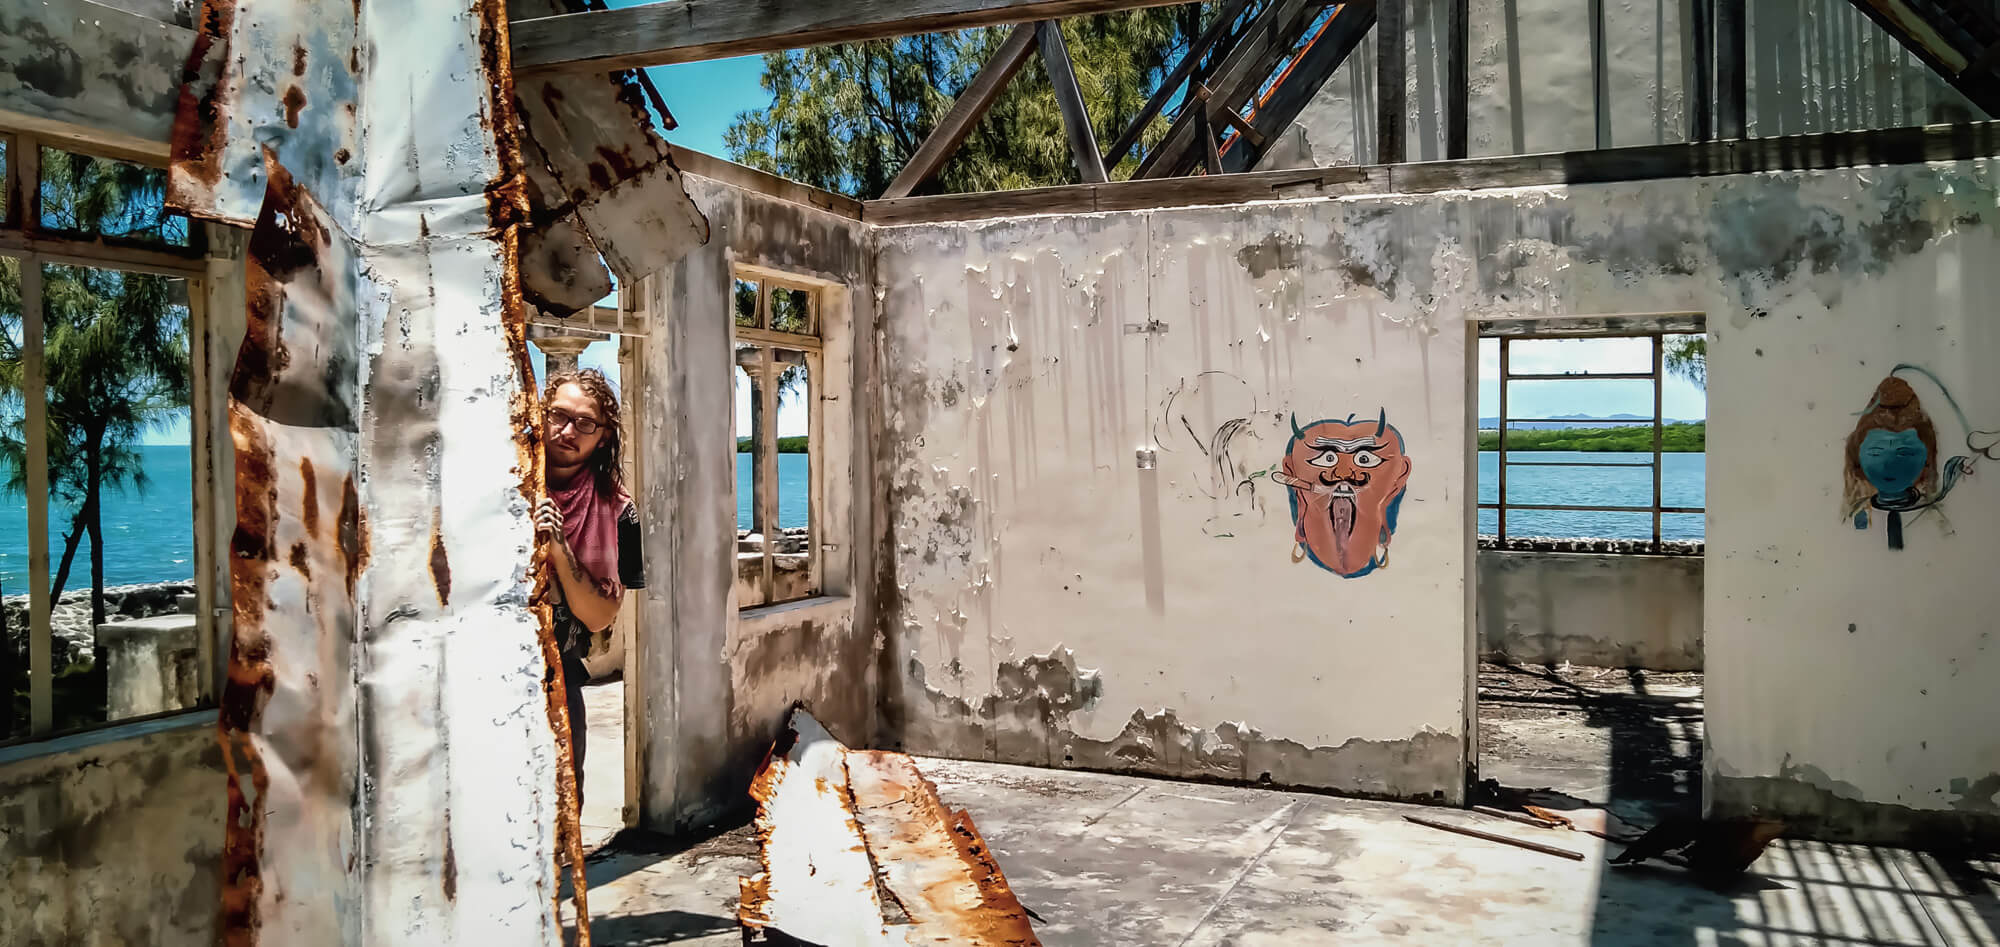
{"points": [[557, 420]]}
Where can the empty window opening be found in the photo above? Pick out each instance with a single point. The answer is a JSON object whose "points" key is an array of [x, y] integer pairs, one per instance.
{"points": [[777, 361], [1592, 478]]}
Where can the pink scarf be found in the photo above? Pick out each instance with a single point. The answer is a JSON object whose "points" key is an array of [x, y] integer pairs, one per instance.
{"points": [[590, 526]]}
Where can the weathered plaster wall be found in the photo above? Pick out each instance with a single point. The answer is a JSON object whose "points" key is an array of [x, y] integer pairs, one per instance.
{"points": [[1063, 605], [716, 684], [1029, 548], [1597, 610], [113, 843], [1813, 67]]}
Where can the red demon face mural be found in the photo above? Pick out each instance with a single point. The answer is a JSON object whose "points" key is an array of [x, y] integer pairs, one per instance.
{"points": [[1346, 479]]}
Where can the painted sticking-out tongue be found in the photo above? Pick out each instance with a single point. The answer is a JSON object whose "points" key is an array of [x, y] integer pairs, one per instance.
{"points": [[1342, 513]]}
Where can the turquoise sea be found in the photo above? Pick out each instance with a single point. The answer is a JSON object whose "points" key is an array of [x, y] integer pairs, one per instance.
{"points": [[148, 536]]}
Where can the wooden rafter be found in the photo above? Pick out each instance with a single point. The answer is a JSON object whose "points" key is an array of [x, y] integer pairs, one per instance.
{"points": [[1276, 31], [1182, 72], [1069, 98], [657, 34], [1959, 41], [1391, 23], [965, 113], [1301, 81]]}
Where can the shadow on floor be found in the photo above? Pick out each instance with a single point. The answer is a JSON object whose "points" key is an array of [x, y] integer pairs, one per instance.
{"points": [[658, 927]]}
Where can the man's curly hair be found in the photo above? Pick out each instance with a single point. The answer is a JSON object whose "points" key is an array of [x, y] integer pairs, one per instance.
{"points": [[606, 462]]}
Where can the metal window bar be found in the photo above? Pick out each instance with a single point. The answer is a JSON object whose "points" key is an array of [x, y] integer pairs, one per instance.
{"points": [[1655, 464]]}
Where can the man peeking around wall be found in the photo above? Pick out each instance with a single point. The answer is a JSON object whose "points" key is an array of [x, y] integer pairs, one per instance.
{"points": [[588, 526]]}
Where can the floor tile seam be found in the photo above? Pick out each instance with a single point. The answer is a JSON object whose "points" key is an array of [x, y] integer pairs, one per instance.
{"points": [[1299, 806]]}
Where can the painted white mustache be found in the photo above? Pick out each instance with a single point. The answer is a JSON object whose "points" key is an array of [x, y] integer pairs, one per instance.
{"points": [[1341, 489]]}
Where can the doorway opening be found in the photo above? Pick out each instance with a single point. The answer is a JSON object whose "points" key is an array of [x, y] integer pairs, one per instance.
{"points": [[606, 790], [1592, 482]]}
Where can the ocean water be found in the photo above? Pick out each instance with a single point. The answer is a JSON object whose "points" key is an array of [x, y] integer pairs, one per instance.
{"points": [[148, 537], [1683, 482], [793, 478]]}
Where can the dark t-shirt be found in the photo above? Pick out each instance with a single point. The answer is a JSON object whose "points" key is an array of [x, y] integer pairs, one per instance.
{"points": [[570, 633]]}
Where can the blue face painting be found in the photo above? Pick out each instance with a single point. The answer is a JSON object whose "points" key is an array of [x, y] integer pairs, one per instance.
{"points": [[1892, 460]]}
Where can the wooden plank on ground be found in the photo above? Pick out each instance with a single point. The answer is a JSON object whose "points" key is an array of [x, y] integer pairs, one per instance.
{"points": [[656, 34]]}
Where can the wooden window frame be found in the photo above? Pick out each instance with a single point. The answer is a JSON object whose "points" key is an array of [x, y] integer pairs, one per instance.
{"points": [[810, 348], [23, 238]]}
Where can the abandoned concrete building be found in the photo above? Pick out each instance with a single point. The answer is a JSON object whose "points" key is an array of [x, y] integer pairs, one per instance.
{"points": [[1074, 554]]}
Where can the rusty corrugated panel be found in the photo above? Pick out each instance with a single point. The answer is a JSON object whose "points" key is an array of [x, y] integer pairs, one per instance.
{"points": [[605, 164], [857, 849], [931, 860], [393, 720]]}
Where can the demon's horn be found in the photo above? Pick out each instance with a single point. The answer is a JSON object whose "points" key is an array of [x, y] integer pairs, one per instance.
{"points": [[1382, 423], [1296, 431]]}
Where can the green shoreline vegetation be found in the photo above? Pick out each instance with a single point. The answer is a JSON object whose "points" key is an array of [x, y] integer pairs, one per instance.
{"points": [[1674, 439], [796, 445]]}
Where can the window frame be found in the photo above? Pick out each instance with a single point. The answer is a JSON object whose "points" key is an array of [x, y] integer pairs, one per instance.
{"points": [[1654, 328], [23, 238], [811, 349]]}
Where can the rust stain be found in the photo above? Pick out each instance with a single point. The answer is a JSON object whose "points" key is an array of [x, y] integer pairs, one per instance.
{"points": [[249, 681], [507, 206], [309, 505], [440, 567], [353, 534], [196, 143], [299, 560], [341, 155], [295, 102]]}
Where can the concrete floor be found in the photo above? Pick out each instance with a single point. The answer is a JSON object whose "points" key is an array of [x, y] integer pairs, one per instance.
{"points": [[1626, 740], [1104, 859], [603, 763]]}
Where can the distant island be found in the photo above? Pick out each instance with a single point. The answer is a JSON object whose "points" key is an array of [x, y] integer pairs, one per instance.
{"points": [[797, 445], [1678, 437]]}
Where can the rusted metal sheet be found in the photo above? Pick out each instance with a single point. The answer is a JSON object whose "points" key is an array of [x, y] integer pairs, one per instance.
{"points": [[931, 859], [857, 849], [602, 162], [393, 720]]}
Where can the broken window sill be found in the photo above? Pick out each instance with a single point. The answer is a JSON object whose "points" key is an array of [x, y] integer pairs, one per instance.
{"points": [[817, 608], [115, 733]]}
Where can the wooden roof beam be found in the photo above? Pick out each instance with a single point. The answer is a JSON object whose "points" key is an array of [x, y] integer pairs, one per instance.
{"points": [[658, 34]]}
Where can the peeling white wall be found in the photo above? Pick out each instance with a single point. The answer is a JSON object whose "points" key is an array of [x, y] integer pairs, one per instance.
{"points": [[1813, 66], [713, 685], [113, 842], [1177, 633], [1037, 625]]}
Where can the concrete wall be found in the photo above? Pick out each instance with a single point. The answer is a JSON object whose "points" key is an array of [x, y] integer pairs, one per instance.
{"points": [[712, 685], [1597, 610], [1059, 605], [1813, 67], [113, 842]]}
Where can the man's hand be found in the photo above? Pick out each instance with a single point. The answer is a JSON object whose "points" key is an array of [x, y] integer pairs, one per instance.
{"points": [[549, 520]]}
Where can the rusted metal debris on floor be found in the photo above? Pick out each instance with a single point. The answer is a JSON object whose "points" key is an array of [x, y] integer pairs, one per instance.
{"points": [[857, 849]]}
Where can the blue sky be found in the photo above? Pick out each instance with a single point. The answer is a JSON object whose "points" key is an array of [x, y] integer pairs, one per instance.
{"points": [[1680, 399]]}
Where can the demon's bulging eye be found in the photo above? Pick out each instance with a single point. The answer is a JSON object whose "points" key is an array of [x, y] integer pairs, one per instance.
{"points": [[1367, 458], [1325, 458]]}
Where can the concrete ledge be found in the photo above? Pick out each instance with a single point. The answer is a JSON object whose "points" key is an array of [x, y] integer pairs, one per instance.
{"points": [[1603, 610]]}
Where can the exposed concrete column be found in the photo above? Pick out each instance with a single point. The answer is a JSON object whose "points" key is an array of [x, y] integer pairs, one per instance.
{"points": [[562, 351]]}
